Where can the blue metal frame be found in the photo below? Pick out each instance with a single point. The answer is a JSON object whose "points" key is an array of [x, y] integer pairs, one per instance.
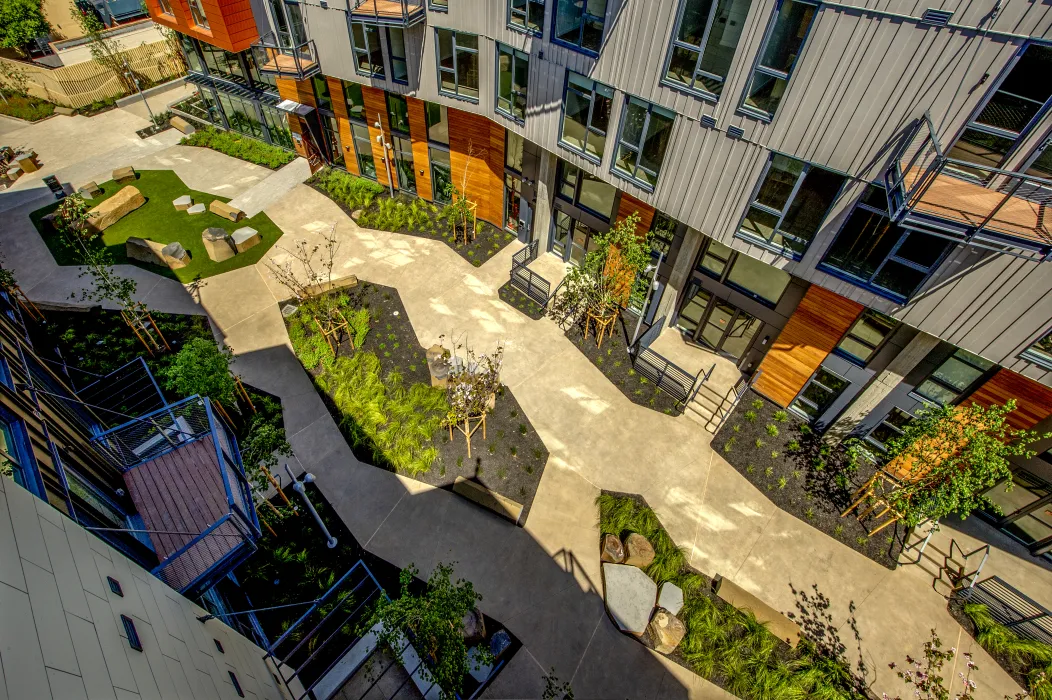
{"points": [[698, 92], [638, 148], [787, 76], [515, 53], [554, 37], [24, 453], [456, 73]]}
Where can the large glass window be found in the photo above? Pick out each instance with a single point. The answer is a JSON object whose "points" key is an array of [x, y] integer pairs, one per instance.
{"points": [[197, 12], [571, 239], [759, 280], [193, 59], [396, 49], [513, 69], [891, 427], [866, 334], [704, 43], [332, 138], [645, 133], [778, 54], [15, 460], [398, 113], [403, 156], [790, 205], [1041, 351], [222, 63], [579, 23], [513, 150], [952, 378], [363, 149], [368, 56], [352, 95], [879, 255], [585, 190], [586, 115], [241, 115], [441, 174], [458, 64], [288, 20], [321, 93], [1008, 114], [526, 15], [818, 394], [278, 126], [437, 118]]}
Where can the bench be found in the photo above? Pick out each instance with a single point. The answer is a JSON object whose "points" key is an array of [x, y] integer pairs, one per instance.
{"points": [[778, 624], [226, 211], [501, 505]]}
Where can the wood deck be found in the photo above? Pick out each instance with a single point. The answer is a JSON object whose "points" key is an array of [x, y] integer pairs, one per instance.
{"points": [[968, 203], [385, 8], [278, 62], [183, 491]]}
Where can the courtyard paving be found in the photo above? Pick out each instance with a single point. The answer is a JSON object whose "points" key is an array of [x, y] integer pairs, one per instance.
{"points": [[542, 580]]}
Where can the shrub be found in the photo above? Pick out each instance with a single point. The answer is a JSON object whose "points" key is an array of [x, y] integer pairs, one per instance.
{"points": [[772, 430], [23, 107], [239, 146], [354, 192], [781, 416]]}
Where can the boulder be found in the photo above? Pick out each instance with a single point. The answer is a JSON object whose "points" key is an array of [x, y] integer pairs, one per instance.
{"points": [[65, 111], [123, 175], [630, 596], [357, 214], [175, 255], [89, 190], [474, 628], [245, 238], [226, 211], [144, 250], [638, 551], [182, 125], [670, 598], [127, 200], [666, 631], [217, 244], [612, 550], [196, 209], [437, 366], [183, 203]]}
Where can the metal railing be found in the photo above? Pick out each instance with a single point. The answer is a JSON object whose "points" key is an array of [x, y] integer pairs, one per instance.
{"points": [[668, 376], [130, 390], [150, 436], [403, 13], [531, 284], [737, 392], [277, 57], [525, 256], [1011, 608], [979, 205]]}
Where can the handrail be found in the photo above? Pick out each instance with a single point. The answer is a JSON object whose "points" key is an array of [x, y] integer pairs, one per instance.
{"points": [[739, 389], [985, 549], [269, 49]]}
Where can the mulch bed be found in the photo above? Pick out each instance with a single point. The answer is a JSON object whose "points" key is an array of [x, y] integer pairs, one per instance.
{"points": [[615, 363], [803, 476], [152, 130], [1018, 671], [522, 303], [510, 460]]}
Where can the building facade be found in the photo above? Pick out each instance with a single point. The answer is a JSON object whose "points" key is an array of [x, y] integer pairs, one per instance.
{"points": [[849, 199]]}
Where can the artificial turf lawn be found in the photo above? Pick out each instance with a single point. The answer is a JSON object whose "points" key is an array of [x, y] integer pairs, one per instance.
{"points": [[159, 221]]}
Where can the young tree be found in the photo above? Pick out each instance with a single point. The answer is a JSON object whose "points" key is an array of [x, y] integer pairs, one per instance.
{"points": [[307, 272], [21, 21], [952, 454], [202, 368], [106, 51]]}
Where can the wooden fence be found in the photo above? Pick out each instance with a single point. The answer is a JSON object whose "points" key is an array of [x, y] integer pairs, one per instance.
{"points": [[83, 83]]}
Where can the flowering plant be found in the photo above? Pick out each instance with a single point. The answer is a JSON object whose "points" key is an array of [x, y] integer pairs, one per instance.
{"points": [[926, 675]]}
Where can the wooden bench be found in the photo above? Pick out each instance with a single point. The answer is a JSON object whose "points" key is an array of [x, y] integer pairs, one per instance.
{"points": [[501, 505], [226, 211], [778, 624]]}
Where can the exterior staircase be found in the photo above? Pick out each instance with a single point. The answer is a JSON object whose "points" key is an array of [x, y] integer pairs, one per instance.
{"points": [[709, 408]]}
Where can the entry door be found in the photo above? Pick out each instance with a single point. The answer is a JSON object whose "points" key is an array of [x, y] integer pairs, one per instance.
{"points": [[525, 220], [717, 324]]}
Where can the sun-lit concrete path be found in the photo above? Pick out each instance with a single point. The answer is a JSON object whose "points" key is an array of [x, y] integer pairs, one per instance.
{"points": [[542, 580]]}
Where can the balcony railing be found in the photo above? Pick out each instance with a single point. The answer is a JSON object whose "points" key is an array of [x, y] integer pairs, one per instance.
{"points": [[276, 57], [395, 13], [979, 205]]}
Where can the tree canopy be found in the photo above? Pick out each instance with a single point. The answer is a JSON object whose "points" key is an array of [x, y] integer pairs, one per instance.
{"points": [[21, 21], [202, 368]]}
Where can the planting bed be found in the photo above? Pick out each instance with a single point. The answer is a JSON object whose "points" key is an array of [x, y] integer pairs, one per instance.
{"points": [[803, 476], [513, 297], [406, 214], [381, 397], [615, 363]]}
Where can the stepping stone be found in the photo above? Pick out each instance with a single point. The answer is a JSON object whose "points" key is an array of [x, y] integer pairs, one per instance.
{"points": [[89, 190], [183, 203], [64, 111], [671, 598], [217, 244], [245, 238], [226, 211], [125, 174], [630, 596], [175, 255], [196, 209]]}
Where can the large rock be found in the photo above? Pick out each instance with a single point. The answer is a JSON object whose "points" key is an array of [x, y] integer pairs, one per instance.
{"points": [[144, 250], [89, 190], [198, 208], [182, 125], [226, 211], [670, 598], [437, 366], [612, 550], [183, 203], [666, 632], [175, 255], [630, 596], [217, 244], [474, 628], [245, 238], [638, 551], [124, 175], [127, 200]]}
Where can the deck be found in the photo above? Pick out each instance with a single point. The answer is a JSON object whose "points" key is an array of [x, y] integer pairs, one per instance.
{"points": [[386, 9], [286, 64]]}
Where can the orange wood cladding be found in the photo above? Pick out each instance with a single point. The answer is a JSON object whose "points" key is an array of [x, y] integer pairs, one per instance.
{"points": [[1033, 400], [376, 107], [630, 205], [812, 332], [339, 108], [476, 148], [231, 25], [303, 93], [421, 159]]}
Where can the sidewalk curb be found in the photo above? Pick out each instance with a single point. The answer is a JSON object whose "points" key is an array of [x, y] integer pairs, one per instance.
{"points": [[155, 90]]}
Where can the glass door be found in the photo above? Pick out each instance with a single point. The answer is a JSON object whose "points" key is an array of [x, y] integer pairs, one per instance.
{"points": [[693, 311], [740, 335], [717, 324]]}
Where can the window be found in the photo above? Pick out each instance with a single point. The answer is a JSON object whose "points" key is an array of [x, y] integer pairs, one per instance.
{"points": [[571, 239], [866, 334], [131, 633], [363, 148], [396, 49], [1008, 114], [15, 460], [352, 95], [368, 56], [197, 12], [645, 133], [778, 54], [236, 684], [952, 378], [277, 125], [193, 58], [586, 115], [115, 586], [398, 113], [759, 280], [704, 43], [879, 255], [458, 64], [332, 139], [437, 118], [579, 23], [441, 174], [585, 190], [166, 7], [818, 394], [321, 93], [222, 63], [512, 197], [513, 68], [440, 5], [219, 646], [513, 150], [403, 162], [288, 21], [241, 114], [888, 429], [1041, 351], [790, 205], [527, 15]]}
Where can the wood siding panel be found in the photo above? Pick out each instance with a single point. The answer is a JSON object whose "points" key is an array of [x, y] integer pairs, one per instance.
{"points": [[473, 156], [421, 159], [1033, 400], [630, 205], [303, 93], [812, 332], [376, 108], [339, 108]]}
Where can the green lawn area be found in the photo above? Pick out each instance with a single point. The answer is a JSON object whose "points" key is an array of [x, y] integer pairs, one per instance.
{"points": [[159, 221]]}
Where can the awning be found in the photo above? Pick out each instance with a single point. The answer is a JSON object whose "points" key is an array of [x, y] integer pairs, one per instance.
{"points": [[294, 107]]}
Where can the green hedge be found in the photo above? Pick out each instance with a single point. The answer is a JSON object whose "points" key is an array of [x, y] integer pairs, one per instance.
{"points": [[29, 108], [354, 192], [238, 146]]}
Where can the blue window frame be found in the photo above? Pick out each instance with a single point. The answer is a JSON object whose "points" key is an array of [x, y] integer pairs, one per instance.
{"points": [[585, 190], [586, 116], [703, 45], [526, 16], [953, 378], [645, 132], [5, 374], [397, 52], [1040, 351], [579, 24], [16, 454], [782, 45]]}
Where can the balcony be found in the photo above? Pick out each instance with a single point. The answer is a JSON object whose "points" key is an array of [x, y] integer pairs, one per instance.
{"points": [[985, 207], [292, 62], [183, 472], [391, 13]]}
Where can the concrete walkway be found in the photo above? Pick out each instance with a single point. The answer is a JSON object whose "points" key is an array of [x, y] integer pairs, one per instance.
{"points": [[542, 580], [271, 190]]}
